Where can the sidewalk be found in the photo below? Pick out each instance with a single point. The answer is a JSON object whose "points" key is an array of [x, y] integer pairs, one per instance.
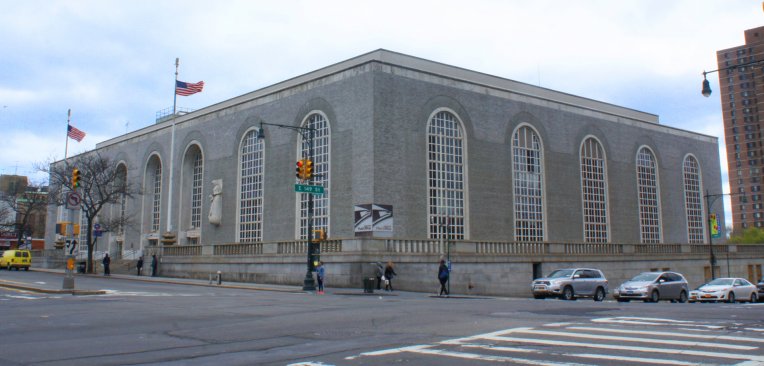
{"points": [[55, 288]]}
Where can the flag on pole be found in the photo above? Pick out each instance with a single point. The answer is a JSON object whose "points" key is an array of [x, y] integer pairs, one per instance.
{"points": [[185, 89], [75, 133]]}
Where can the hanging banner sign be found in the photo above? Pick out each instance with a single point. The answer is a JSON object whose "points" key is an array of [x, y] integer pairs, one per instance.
{"points": [[715, 232]]}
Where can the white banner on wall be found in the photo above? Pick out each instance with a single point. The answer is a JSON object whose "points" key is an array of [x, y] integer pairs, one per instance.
{"points": [[373, 220]]}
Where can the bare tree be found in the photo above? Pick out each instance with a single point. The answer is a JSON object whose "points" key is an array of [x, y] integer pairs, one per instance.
{"points": [[101, 183], [21, 206]]}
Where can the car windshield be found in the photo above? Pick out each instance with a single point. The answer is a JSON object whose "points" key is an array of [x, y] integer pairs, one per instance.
{"points": [[561, 273], [645, 277], [720, 282]]}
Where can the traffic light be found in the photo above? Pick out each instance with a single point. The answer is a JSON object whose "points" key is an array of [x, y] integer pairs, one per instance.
{"points": [[308, 169], [319, 235], [300, 169], [75, 178]]}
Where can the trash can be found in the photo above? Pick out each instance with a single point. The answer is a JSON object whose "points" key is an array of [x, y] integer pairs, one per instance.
{"points": [[368, 285], [81, 267]]}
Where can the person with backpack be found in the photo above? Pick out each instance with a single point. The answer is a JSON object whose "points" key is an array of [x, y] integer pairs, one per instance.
{"points": [[443, 277]]}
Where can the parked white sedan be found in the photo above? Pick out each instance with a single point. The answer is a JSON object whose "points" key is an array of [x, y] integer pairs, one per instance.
{"points": [[725, 289]]}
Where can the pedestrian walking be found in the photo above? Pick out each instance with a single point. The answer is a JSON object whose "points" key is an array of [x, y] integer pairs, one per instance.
{"points": [[139, 266], [379, 273], [320, 275], [154, 265], [388, 276], [443, 277], [106, 262]]}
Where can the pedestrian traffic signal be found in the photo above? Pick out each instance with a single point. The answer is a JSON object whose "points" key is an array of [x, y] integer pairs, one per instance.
{"points": [[308, 169], [319, 235], [75, 178], [300, 170]]}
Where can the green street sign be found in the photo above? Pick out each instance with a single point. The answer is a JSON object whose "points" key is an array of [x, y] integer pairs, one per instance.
{"points": [[307, 188]]}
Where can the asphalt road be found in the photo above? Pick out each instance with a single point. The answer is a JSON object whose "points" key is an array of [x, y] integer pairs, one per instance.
{"points": [[148, 323]]}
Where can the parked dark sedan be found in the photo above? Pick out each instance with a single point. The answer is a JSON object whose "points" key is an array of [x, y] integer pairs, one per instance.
{"points": [[760, 286]]}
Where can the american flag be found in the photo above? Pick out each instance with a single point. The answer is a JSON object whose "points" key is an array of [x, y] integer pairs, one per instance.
{"points": [[185, 89], [74, 133]]}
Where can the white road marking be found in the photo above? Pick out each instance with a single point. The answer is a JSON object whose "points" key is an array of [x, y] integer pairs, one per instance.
{"points": [[633, 359], [475, 356], [636, 339], [653, 321], [671, 334], [733, 356], [389, 351]]}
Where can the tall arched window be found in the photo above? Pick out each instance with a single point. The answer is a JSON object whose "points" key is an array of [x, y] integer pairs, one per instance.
{"points": [[251, 188], [594, 191], [153, 183], [321, 159], [197, 168], [527, 179], [446, 177], [121, 182], [693, 202], [648, 197]]}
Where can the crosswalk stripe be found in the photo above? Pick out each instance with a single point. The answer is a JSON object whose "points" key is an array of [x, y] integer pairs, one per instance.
{"points": [[636, 339], [654, 321], [670, 334], [733, 356], [475, 356], [632, 359]]}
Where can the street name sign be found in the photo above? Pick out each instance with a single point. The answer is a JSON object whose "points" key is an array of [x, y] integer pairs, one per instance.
{"points": [[307, 188]]}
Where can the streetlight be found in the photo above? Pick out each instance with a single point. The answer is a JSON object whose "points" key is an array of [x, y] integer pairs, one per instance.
{"points": [[308, 134], [706, 90], [712, 258]]}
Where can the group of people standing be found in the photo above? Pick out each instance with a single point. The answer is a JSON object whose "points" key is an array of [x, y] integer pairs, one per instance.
{"points": [[385, 274], [154, 265]]}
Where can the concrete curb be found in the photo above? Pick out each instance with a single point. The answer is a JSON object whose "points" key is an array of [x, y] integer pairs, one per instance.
{"points": [[49, 291]]}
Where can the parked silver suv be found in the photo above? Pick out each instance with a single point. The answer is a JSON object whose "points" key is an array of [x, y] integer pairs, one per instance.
{"points": [[570, 283], [653, 287]]}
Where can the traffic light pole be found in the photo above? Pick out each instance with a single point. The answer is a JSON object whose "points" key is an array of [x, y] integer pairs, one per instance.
{"points": [[307, 133]]}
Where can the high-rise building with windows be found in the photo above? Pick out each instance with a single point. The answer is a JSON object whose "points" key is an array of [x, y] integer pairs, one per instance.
{"points": [[739, 73]]}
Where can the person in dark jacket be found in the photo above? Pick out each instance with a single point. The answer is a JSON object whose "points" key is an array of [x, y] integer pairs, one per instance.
{"points": [[389, 274], [380, 271], [443, 277], [106, 262], [154, 265], [139, 266], [320, 275]]}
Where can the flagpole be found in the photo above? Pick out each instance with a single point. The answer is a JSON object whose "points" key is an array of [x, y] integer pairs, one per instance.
{"points": [[174, 92], [172, 147], [68, 120]]}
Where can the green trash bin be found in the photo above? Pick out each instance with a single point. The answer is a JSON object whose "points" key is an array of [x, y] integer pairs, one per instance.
{"points": [[368, 285]]}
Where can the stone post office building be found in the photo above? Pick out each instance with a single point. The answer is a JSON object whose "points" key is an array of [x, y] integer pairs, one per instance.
{"points": [[413, 154]]}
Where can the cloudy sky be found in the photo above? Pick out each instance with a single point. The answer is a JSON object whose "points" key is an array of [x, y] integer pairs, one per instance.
{"points": [[112, 62]]}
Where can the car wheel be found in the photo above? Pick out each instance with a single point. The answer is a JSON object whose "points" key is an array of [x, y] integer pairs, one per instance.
{"points": [[753, 298], [599, 295], [655, 296], [682, 297], [567, 293], [26, 269], [731, 298]]}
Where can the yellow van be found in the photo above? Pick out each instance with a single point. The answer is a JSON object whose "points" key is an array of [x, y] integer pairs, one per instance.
{"points": [[16, 259]]}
